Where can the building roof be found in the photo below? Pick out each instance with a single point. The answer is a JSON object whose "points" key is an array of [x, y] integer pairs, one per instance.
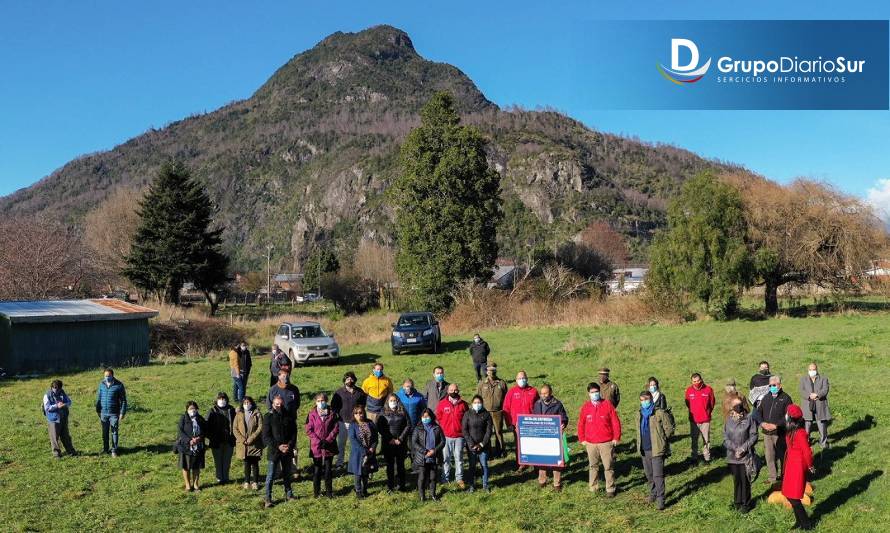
{"points": [[285, 278], [73, 311]]}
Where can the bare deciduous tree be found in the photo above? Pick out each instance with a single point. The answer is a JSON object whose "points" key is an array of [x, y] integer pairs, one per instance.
{"points": [[40, 259], [601, 238]]}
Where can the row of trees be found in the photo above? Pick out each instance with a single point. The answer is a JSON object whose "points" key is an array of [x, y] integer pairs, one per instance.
{"points": [[736, 231]]}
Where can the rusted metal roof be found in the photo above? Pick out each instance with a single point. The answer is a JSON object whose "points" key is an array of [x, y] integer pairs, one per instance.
{"points": [[73, 310]]}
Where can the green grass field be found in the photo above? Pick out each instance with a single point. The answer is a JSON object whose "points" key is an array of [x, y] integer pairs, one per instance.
{"points": [[142, 489]]}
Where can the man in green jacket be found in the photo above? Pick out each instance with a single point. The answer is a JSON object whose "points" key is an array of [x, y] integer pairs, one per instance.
{"points": [[654, 427]]}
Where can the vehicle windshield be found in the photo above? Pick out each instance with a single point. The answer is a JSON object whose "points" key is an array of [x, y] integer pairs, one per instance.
{"points": [[307, 332], [414, 320]]}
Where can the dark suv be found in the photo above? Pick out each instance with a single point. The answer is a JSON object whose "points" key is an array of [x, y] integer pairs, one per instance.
{"points": [[416, 331]]}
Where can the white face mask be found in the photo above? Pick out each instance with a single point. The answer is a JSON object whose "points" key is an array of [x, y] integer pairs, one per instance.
{"points": [[193, 413], [392, 405], [221, 403], [594, 396], [812, 373], [247, 407]]}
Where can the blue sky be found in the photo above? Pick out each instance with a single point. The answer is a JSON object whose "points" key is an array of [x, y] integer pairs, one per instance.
{"points": [[80, 77]]}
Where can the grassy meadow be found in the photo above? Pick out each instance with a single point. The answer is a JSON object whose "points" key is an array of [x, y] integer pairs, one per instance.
{"points": [[142, 489]]}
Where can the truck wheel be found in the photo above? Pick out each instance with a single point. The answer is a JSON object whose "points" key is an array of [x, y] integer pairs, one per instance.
{"points": [[395, 352]]}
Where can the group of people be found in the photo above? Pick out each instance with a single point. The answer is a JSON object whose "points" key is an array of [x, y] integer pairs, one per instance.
{"points": [[434, 428]]}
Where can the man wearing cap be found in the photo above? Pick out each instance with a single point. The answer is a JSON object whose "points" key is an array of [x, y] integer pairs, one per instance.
{"points": [[730, 393], [493, 391], [608, 388]]}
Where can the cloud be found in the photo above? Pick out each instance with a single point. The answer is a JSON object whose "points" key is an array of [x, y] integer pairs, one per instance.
{"points": [[879, 198]]}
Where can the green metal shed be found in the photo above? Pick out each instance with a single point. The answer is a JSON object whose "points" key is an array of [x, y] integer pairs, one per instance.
{"points": [[49, 336]]}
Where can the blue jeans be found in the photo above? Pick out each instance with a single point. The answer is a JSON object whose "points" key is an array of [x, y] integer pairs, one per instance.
{"points": [[283, 465], [110, 424], [238, 388], [482, 458], [454, 448]]}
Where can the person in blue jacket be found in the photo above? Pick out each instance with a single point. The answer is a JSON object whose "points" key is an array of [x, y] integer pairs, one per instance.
{"points": [[363, 438], [412, 401], [55, 408], [111, 406]]}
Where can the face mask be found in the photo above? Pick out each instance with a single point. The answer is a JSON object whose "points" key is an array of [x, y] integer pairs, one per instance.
{"points": [[221, 403], [247, 407], [477, 407], [646, 404], [737, 408], [193, 413], [407, 390], [392, 405], [545, 399], [812, 373], [378, 373], [243, 347], [522, 382], [476, 340], [454, 395], [108, 379], [321, 405], [774, 389], [427, 421], [594, 396], [440, 377], [764, 371]]}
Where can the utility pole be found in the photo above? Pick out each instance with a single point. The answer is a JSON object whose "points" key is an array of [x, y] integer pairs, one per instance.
{"points": [[269, 272], [318, 264]]}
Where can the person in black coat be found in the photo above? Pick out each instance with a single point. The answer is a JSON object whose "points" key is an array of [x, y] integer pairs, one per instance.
{"points": [[280, 438], [220, 431], [477, 427], [427, 443], [479, 351], [345, 399], [547, 404], [245, 362], [190, 446], [395, 428], [770, 414]]}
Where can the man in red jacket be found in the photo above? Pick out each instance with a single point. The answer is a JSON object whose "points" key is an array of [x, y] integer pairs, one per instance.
{"points": [[700, 402], [599, 430], [450, 415], [519, 401]]}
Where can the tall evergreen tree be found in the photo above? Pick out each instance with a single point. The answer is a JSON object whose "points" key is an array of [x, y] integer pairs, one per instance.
{"points": [[702, 253], [320, 262], [174, 242], [448, 206]]}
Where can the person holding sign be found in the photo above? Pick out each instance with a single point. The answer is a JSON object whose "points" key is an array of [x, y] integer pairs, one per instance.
{"points": [[519, 401], [599, 430], [548, 405], [654, 427]]}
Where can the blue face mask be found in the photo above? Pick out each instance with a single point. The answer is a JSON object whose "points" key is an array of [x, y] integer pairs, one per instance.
{"points": [[378, 373], [440, 377], [477, 407], [774, 389], [653, 389], [108, 379], [646, 404], [426, 421], [521, 382]]}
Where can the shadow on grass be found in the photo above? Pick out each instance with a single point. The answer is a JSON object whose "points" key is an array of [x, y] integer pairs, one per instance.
{"points": [[357, 359], [858, 425], [455, 346], [825, 459], [149, 448], [713, 475], [842, 496]]}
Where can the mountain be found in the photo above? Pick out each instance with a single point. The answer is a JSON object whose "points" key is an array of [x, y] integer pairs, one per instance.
{"points": [[306, 160]]}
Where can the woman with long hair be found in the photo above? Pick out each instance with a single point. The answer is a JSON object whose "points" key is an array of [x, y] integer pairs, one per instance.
{"points": [[798, 461], [363, 439], [190, 446], [739, 438]]}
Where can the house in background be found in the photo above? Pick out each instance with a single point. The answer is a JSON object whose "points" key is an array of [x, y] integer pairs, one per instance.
{"points": [[287, 282], [505, 274], [627, 280]]}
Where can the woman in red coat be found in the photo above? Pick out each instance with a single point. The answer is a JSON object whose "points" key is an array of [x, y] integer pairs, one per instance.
{"points": [[798, 461]]}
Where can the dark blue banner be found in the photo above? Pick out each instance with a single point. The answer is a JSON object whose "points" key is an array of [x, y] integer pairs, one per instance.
{"points": [[792, 64], [540, 440]]}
